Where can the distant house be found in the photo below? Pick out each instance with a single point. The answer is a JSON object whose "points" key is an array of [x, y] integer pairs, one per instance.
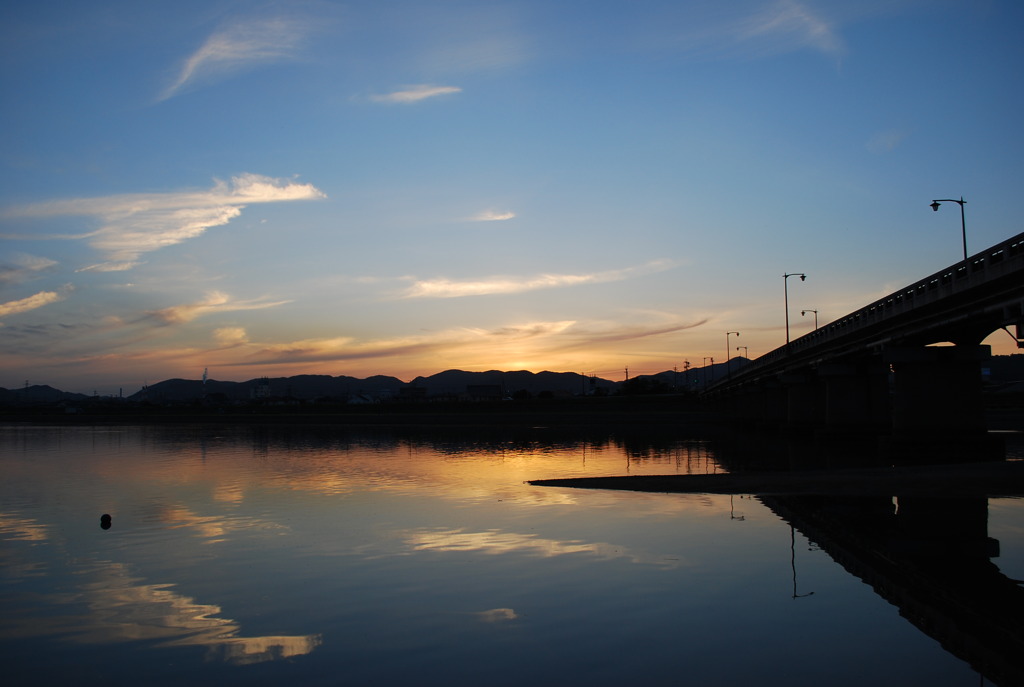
{"points": [[261, 390], [412, 393], [484, 392]]}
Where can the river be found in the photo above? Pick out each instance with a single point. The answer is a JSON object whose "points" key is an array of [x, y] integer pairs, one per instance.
{"points": [[318, 556]]}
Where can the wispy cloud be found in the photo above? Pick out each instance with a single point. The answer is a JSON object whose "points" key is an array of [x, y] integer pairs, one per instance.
{"points": [[463, 38], [134, 224], [492, 216], [789, 24], [497, 615], [347, 348], [31, 303], [462, 346], [231, 336], [886, 141], [758, 29], [447, 288], [498, 542], [412, 94], [138, 347], [215, 301], [240, 46], [24, 266]]}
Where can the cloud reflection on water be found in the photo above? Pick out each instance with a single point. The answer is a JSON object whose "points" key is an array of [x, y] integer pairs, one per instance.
{"points": [[22, 529], [496, 542], [121, 608]]}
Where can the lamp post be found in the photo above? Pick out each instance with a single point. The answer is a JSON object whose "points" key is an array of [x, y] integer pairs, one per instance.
{"points": [[804, 312], [728, 370], [746, 351], [785, 285], [963, 222]]}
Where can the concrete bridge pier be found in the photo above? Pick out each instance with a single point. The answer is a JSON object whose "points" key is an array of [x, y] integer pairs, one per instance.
{"points": [[804, 402], [937, 390], [856, 395], [763, 404]]}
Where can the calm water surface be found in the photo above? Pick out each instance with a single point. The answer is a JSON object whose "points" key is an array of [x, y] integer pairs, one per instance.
{"points": [[249, 556]]}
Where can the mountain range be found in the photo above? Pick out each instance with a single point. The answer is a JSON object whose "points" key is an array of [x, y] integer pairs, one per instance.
{"points": [[451, 383], [378, 387]]}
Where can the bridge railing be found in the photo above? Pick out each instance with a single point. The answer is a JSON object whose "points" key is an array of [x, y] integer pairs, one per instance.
{"points": [[991, 263]]}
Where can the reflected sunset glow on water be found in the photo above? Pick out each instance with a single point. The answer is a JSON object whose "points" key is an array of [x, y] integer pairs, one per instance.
{"points": [[323, 556]]}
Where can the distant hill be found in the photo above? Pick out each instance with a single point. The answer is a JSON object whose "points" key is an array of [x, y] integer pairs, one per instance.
{"points": [[458, 381], [492, 383], [37, 394], [313, 387], [1003, 370], [303, 387]]}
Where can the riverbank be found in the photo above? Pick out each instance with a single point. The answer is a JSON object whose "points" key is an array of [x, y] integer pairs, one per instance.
{"points": [[988, 479]]}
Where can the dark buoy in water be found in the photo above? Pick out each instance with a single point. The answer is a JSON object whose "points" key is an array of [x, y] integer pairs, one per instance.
{"points": [[105, 521]]}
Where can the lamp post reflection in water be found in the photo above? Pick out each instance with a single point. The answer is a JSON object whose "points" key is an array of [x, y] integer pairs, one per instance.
{"points": [[792, 561], [732, 511]]}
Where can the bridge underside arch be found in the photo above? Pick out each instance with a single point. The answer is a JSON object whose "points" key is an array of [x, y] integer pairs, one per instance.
{"points": [[937, 389]]}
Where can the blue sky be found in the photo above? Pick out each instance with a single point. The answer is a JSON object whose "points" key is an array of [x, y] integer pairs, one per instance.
{"points": [[277, 188]]}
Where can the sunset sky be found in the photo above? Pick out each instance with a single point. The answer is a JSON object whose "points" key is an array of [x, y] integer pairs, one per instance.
{"points": [[404, 187]]}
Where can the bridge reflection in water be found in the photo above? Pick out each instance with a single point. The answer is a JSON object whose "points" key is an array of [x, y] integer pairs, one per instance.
{"points": [[917, 534], [930, 557]]}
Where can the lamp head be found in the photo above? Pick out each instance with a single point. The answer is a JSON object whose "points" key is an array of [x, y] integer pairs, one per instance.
{"points": [[803, 277], [935, 205]]}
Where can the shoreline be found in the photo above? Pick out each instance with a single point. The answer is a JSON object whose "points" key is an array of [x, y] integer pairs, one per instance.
{"points": [[990, 479]]}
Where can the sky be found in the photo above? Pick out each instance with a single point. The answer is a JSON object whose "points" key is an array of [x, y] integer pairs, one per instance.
{"points": [[404, 187]]}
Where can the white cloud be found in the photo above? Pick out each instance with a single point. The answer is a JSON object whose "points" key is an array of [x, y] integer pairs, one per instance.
{"points": [[241, 46], [215, 301], [447, 288], [230, 336], [31, 303], [492, 216], [497, 542], [412, 94], [134, 224]]}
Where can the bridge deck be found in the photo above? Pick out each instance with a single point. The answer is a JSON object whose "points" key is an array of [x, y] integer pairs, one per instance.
{"points": [[966, 301]]}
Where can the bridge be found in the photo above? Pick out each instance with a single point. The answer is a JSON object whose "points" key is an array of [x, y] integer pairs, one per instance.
{"points": [[879, 367]]}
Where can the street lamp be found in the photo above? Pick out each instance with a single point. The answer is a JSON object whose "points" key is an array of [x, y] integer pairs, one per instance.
{"points": [[963, 222], [746, 351], [785, 285], [804, 312], [728, 370]]}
